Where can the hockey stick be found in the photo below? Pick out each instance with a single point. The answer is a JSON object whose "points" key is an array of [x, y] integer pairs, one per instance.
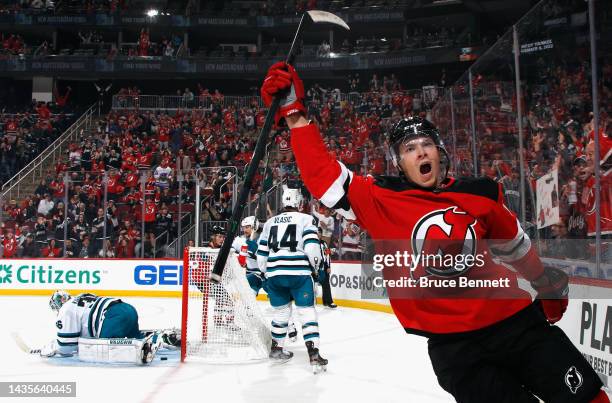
{"points": [[313, 16], [23, 346]]}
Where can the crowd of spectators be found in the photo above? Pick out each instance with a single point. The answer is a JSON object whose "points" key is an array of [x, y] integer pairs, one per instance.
{"points": [[25, 134], [195, 143], [559, 136], [167, 46], [64, 6], [13, 45]]}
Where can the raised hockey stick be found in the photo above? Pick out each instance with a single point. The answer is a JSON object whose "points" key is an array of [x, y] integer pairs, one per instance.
{"points": [[23, 346], [312, 16]]}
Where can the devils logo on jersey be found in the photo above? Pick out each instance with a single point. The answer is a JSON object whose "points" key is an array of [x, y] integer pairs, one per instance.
{"points": [[442, 237], [573, 379]]}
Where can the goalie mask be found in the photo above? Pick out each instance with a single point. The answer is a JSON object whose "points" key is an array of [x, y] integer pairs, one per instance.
{"points": [[58, 299], [409, 130], [292, 198]]}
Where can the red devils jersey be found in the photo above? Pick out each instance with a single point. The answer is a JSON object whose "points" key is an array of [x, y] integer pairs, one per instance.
{"points": [[588, 205], [10, 247], [392, 209], [11, 127]]}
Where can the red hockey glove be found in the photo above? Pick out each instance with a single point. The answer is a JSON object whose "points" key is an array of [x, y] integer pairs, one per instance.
{"points": [[553, 289], [282, 79]]}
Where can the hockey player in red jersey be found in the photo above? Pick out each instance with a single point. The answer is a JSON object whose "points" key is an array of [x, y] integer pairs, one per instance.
{"points": [[493, 345]]}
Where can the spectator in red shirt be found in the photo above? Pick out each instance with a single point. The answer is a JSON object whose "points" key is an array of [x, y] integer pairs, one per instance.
{"points": [[60, 100], [9, 245], [51, 250], [43, 111]]}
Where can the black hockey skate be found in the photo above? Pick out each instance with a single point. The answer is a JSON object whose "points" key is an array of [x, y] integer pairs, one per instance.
{"points": [[318, 363], [278, 355]]}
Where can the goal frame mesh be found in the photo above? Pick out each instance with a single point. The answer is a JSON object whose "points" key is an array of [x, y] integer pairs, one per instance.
{"points": [[220, 323]]}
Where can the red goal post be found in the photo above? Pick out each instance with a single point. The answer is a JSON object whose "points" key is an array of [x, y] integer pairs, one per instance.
{"points": [[220, 322]]}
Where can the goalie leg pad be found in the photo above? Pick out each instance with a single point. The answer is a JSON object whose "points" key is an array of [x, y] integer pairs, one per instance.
{"points": [[125, 350]]}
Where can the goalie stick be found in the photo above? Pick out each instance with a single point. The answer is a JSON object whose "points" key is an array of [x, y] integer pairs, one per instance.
{"points": [[313, 16], [23, 346]]}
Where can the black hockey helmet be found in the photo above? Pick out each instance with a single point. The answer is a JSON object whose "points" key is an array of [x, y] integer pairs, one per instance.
{"points": [[218, 230], [412, 128]]}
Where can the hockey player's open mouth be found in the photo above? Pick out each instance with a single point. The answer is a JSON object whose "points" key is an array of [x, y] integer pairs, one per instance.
{"points": [[425, 168]]}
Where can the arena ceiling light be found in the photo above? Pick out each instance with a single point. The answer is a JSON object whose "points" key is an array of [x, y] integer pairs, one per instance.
{"points": [[152, 13]]}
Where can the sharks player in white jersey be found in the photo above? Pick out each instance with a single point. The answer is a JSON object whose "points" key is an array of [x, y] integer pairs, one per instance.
{"points": [[257, 280], [288, 252], [89, 324]]}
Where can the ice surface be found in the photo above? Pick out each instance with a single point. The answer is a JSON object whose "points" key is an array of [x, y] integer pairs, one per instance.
{"points": [[371, 359]]}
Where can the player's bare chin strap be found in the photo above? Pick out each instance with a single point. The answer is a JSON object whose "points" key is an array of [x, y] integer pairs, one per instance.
{"points": [[601, 398]]}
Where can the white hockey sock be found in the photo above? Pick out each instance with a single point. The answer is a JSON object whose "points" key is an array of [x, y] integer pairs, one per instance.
{"points": [[310, 324], [280, 322]]}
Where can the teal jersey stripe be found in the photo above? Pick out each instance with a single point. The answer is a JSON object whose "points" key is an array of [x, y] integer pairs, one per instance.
{"points": [[277, 258], [68, 335], [288, 268], [91, 313], [310, 336], [99, 315]]}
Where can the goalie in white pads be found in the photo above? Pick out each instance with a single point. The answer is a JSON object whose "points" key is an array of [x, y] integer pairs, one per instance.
{"points": [[288, 252], [102, 329]]}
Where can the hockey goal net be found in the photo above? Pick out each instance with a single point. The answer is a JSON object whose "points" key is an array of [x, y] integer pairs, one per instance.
{"points": [[222, 322]]}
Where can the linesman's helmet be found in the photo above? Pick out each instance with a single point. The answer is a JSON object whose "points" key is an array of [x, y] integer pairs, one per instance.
{"points": [[412, 128]]}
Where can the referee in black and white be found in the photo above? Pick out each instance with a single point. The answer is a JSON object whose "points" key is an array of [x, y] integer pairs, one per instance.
{"points": [[328, 301]]}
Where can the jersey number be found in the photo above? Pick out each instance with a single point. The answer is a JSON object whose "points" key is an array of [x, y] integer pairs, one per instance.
{"points": [[288, 241]]}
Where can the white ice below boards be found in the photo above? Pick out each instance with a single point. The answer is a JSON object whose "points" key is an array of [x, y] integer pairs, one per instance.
{"points": [[371, 359]]}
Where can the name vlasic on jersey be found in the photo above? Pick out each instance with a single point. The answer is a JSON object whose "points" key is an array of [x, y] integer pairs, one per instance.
{"points": [[288, 245]]}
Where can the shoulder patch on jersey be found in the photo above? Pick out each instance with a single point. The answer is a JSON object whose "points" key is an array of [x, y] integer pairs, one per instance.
{"points": [[483, 186]]}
